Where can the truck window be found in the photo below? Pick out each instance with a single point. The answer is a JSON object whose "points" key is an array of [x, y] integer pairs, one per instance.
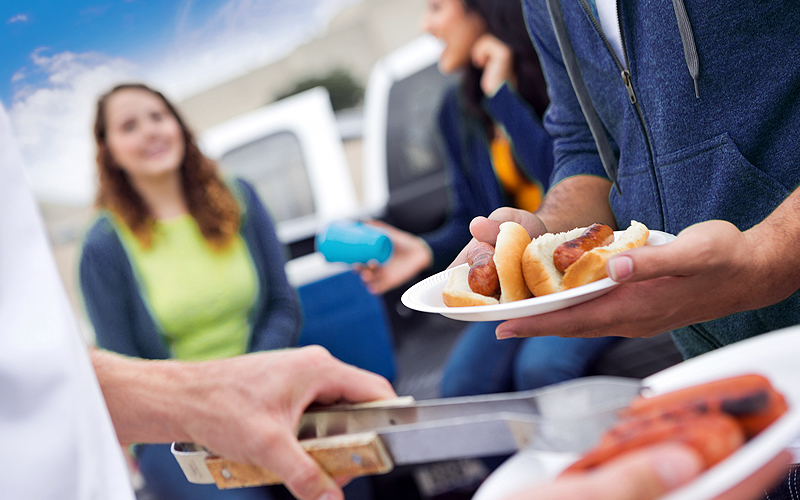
{"points": [[275, 165], [417, 181]]}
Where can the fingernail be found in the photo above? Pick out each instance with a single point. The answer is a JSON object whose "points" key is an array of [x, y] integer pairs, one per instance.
{"points": [[504, 334], [620, 268], [329, 495], [676, 465]]}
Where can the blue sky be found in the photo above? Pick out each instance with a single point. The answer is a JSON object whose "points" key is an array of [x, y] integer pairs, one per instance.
{"points": [[59, 55], [131, 29]]}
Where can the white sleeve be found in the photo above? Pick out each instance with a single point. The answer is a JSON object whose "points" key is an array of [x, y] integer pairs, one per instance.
{"points": [[58, 440]]}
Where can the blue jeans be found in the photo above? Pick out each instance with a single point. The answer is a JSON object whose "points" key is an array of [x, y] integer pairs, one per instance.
{"points": [[788, 488], [481, 364]]}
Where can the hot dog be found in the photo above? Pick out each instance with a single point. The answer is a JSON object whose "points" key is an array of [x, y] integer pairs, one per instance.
{"points": [[750, 398], [482, 277], [713, 435], [505, 258], [715, 418], [584, 260], [567, 253]]}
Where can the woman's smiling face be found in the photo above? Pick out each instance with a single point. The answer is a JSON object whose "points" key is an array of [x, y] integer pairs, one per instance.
{"points": [[144, 137], [457, 27]]}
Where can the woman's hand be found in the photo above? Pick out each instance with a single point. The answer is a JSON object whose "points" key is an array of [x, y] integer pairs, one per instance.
{"points": [[410, 256], [497, 61]]}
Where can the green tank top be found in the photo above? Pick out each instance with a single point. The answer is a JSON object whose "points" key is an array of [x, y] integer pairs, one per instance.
{"points": [[199, 296]]}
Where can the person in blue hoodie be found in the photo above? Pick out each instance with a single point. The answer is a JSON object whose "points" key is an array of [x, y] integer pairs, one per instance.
{"points": [[706, 149], [682, 115], [497, 154]]}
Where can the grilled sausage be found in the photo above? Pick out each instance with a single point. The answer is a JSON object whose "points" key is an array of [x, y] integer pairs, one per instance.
{"points": [[715, 418], [483, 278], [750, 398], [596, 235], [714, 435]]}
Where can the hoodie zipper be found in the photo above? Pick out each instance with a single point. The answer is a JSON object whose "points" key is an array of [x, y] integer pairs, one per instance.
{"points": [[626, 78]]}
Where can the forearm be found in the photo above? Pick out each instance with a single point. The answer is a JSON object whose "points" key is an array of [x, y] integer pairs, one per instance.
{"points": [[575, 202], [775, 258], [143, 396]]}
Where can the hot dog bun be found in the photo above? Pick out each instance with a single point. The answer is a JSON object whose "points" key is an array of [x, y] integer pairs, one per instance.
{"points": [[538, 269], [511, 243], [541, 275]]}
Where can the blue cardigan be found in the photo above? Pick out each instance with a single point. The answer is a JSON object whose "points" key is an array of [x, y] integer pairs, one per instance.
{"points": [[474, 187], [122, 319], [731, 154]]}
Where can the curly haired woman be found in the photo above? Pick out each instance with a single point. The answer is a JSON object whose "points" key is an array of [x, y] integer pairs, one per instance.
{"points": [[179, 263]]}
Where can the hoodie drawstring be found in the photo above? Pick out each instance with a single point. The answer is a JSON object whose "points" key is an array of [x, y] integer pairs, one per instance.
{"points": [[689, 47]]}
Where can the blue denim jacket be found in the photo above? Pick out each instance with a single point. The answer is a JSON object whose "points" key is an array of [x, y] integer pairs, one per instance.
{"points": [[731, 154]]}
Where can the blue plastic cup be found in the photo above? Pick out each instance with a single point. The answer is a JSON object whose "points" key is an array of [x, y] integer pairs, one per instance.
{"points": [[353, 243]]}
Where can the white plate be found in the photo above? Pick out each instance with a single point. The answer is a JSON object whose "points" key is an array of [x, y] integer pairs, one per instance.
{"points": [[426, 296], [773, 355]]}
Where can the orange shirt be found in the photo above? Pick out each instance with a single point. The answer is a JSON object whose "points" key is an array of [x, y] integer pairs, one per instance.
{"points": [[524, 194]]}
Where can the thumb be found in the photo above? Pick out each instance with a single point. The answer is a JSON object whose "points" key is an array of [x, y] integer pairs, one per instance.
{"points": [[486, 228], [647, 474], [300, 473], [480, 52], [392, 232], [696, 248], [677, 258]]}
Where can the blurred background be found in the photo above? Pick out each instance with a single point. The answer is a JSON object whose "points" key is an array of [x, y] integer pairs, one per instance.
{"points": [[327, 106], [217, 59]]}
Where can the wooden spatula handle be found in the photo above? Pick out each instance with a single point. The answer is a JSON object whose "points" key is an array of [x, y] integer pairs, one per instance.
{"points": [[349, 455]]}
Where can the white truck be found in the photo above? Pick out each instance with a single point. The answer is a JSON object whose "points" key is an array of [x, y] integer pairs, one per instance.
{"points": [[293, 151]]}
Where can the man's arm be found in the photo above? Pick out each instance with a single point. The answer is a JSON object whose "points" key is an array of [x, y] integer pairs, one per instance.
{"points": [[245, 408], [577, 202]]}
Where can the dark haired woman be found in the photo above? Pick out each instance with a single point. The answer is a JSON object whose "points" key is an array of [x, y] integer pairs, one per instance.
{"points": [[179, 263], [498, 155]]}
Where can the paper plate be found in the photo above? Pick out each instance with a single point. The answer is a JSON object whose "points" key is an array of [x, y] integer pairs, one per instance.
{"points": [[426, 296], [773, 355]]}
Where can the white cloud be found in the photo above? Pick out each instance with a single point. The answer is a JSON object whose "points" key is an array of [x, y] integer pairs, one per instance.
{"points": [[240, 36], [53, 123], [19, 18]]}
